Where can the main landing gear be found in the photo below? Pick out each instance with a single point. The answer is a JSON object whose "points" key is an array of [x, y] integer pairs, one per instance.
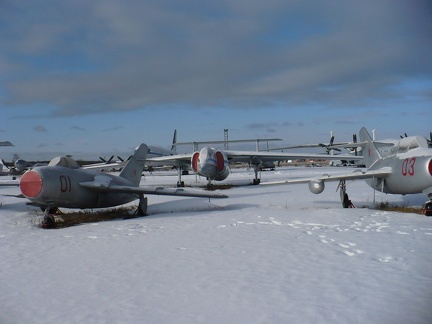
{"points": [[181, 172], [346, 202], [142, 206], [427, 208], [256, 180]]}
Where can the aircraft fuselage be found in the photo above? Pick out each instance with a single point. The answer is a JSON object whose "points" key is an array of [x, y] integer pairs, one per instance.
{"points": [[59, 186], [411, 173]]}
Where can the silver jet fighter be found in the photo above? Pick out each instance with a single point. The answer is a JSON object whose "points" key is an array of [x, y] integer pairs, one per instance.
{"points": [[213, 164], [64, 184], [407, 169]]}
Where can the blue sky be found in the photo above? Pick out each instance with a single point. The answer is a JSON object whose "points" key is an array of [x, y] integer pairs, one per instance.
{"points": [[93, 77]]}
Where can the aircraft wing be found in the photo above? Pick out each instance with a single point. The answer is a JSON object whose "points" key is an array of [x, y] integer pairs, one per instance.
{"points": [[176, 159], [359, 144], [245, 156], [358, 174], [104, 166], [306, 146], [96, 186], [251, 156], [230, 141]]}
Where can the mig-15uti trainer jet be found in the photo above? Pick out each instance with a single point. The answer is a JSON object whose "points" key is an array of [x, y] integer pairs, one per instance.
{"points": [[407, 169], [64, 184]]}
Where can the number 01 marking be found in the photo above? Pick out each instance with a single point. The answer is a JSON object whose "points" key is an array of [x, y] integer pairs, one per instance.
{"points": [[408, 166], [65, 184]]}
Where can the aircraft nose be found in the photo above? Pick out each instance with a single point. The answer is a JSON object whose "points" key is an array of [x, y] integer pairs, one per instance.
{"points": [[430, 167], [31, 184]]}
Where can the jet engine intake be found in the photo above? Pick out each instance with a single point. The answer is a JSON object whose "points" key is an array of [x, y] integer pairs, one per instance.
{"points": [[222, 166], [195, 161], [316, 186]]}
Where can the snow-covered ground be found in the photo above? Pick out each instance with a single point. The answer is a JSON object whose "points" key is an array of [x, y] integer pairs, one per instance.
{"points": [[274, 254]]}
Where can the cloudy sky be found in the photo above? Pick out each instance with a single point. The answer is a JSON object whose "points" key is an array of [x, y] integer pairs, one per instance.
{"points": [[98, 76]]}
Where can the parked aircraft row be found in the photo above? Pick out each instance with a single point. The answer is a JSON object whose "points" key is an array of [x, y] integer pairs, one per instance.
{"points": [[407, 169]]}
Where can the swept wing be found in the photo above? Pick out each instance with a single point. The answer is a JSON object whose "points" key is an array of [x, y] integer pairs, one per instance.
{"points": [[98, 187], [358, 174], [245, 156]]}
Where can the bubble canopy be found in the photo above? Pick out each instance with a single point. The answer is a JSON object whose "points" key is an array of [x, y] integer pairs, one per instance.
{"points": [[64, 161]]}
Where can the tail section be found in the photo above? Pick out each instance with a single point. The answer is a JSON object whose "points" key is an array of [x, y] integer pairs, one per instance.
{"points": [[174, 142], [370, 152], [134, 168], [3, 167]]}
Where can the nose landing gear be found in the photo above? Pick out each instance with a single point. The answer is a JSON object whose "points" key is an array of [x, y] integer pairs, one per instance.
{"points": [[49, 220]]}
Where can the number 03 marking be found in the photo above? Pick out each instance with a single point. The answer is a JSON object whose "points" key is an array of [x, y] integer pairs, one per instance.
{"points": [[408, 166]]}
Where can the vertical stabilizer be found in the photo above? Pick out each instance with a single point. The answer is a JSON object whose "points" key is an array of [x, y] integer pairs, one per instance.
{"points": [[174, 142], [134, 168], [370, 152]]}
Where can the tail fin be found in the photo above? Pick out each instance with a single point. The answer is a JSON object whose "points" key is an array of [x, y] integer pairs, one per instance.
{"points": [[174, 142], [370, 152], [134, 168], [2, 165]]}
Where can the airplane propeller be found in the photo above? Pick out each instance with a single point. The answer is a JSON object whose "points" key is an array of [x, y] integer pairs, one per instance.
{"points": [[328, 147], [355, 141], [105, 161]]}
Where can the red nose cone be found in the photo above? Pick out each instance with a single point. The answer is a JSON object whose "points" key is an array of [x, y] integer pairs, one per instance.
{"points": [[31, 184]]}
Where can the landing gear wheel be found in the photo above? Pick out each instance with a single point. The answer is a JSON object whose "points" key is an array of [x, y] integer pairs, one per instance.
{"points": [[427, 208], [346, 202], [256, 181], [142, 206], [180, 184], [48, 221]]}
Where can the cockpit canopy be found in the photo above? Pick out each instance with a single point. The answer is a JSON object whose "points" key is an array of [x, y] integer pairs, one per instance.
{"points": [[409, 143], [64, 161]]}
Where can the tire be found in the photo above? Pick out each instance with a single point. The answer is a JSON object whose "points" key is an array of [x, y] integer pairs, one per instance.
{"points": [[427, 209]]}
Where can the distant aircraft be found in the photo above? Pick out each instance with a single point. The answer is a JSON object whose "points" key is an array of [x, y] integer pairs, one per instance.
{"points": [[407, 169], [4, 170], [153, 151], [21, 166], [6, 143], [384, 146], [322, 145], [64, 184], [330, 148], [214, 164]]}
